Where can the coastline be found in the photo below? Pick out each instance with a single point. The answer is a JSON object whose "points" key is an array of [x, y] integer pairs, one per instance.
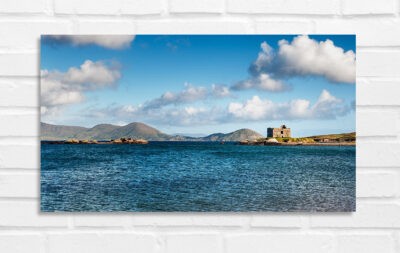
{"points": [[243, 143], [297, 144]]}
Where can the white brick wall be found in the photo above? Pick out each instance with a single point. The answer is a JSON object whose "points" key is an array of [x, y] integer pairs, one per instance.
{"points": [[375, 227]]}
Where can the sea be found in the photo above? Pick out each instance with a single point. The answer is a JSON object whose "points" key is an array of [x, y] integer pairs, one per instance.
{"points": [[197, 177]]}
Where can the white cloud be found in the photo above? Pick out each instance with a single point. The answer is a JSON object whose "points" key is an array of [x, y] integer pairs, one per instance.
{"points": [[326, 107], [306, 57], [92, 75], [189, 94], [299, 108], [129, 108], [193, 110], [220, 91], [171, 108], [120, 123], [64, 88], [177, 116], [255, 109], [265, 56], [106, 41], [261, 82]]}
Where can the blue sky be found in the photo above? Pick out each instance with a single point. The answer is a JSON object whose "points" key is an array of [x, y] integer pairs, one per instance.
{"points": [[201, 84]]}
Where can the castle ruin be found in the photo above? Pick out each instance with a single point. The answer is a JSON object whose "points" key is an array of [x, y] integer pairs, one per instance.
{"points": [[282, 131]]}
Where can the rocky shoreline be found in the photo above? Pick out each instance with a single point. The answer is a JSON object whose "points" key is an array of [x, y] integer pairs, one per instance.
{"points": [[263, 142], [256, 143], [116, 141]]}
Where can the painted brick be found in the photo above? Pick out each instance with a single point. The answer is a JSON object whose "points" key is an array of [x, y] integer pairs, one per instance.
{"points": [[88, 7], [365, 29], [21, 243], [19, 92], [200, 6], [276, 220], [377, 122], [105, 27], [142, 7], [19, 156], [284, 27], [377, 92], [375, 154], [377, 184], [372, 228], [27, 214], [351, 243], [19, 185], [187, 27], [16, 125], [284, 7], [101, 242], [194, 243], [108, 7], [102, 220], [19, 64], [377, 63], [26, 33], [279, 242], [188, 219], [22, 6], [368, 215], [354, 7]]}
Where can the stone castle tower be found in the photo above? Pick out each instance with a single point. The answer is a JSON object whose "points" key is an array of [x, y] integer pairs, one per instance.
{"points": [[282, 131]]}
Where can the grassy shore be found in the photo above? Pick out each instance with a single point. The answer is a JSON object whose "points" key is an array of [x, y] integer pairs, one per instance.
{"points": [[344, 139]]}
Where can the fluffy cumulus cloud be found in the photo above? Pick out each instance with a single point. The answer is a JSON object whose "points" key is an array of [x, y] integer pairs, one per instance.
{"points": [[307, 57], [326, 107], [106, 41], [59, 89], [262, 82], [302, 56]]}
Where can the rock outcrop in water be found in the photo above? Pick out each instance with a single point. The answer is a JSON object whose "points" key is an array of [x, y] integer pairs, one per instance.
{"points": [[116, 141], [129, 141]]}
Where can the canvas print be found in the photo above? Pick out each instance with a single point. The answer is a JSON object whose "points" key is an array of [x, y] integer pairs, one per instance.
{"points": [[198, 123]]}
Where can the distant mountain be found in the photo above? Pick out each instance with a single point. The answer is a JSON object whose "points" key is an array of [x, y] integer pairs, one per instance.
{"points": [[59, 132], [135, 130], [138, 131], [102, 132], [195, 135], [97, 132], [238, 135]]}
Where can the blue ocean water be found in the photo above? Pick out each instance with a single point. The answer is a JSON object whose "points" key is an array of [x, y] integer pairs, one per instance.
{"points": [[193, 176]]}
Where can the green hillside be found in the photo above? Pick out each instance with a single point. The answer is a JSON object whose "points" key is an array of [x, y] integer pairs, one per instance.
{"points": [[135, 130]]}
